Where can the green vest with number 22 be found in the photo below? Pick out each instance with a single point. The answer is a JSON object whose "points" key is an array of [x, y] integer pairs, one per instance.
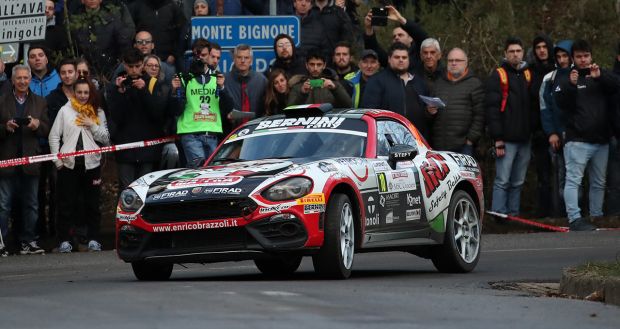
{"points": [[202, 108]]}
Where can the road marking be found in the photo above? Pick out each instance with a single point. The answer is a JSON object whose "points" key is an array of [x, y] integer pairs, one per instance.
{"points": [[279, 293], [538, 249]]}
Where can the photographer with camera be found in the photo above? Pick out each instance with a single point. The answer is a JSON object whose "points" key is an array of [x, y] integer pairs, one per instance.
{"points": [[320, 86], [408, 33], [135, 115], [23, 120], [584, 97]]}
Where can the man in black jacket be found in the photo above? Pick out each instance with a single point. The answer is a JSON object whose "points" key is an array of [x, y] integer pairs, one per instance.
{"points": [[396, 89], [584, 96], [135, 115], [286, 57], [509, 115]]}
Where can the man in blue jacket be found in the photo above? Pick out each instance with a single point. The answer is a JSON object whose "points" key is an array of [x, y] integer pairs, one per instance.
{"points": [[44, 79]]}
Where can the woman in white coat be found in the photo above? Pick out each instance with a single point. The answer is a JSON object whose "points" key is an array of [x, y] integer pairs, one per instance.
{"points": [[79, 125]]}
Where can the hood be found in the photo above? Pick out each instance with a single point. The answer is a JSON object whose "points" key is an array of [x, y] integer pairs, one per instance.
{"points": [[564, 45], [221, 181], [541, 38]]}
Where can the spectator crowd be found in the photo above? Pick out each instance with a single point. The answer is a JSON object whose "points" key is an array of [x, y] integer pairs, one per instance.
{"points": [[139, 75]]}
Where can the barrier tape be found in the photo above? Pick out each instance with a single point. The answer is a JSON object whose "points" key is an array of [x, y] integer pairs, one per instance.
{"points": [[106, 149], [529, 222]]}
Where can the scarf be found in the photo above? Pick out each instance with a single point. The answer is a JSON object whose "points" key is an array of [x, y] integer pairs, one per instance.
{"points": [[84, 109]]}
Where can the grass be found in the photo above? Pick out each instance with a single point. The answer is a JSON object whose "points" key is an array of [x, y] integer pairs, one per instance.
{"points": [[600, 269]]}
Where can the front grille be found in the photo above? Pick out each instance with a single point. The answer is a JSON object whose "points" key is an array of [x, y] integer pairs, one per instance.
{"points": [[197, 210], [199, 241]]}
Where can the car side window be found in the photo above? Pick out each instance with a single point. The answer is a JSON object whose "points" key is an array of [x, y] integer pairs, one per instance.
{"points": [[390, 133]]}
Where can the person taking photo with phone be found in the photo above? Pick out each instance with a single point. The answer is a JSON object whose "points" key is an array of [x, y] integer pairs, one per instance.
{"points": [[320, 86], [584, 97]]}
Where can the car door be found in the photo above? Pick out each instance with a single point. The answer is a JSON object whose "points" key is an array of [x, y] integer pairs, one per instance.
{"points": [[397, 206]]}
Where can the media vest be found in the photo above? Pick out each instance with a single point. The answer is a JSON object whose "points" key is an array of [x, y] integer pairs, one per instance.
{"points": [[202, 108]]}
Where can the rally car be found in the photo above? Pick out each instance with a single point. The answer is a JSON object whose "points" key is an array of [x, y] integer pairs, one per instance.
{"points": [[313, 182]]}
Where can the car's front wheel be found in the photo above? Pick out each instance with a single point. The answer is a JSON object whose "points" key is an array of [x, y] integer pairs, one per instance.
{"points": [[461, 246], [278, 266], [146, 271], [335, 258]]}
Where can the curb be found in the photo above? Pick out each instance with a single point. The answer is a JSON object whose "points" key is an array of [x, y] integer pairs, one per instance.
{"points": [[605, 289]]}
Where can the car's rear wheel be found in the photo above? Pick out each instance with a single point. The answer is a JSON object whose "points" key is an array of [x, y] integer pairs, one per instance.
{"points": [[278, 266], [461, 246], [335, 258], [146, 271]]}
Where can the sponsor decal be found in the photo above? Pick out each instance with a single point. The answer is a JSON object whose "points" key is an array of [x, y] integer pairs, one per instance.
{"points": [[277, 208], [382, 201], [217, 181], [360, 178], [434, 170], [413, 200], [315, 198], [435, 203], [390, 218], [380, 166], [222, 223], [404, 164], [125, 217], [413, 214], [382, 182], [314, 208], [243, 132], [197, 190], [452, 182], [306, 123], [372, 217], [390, 201], [468, 174], [327, 167], [465, 162], [170, 195], [400, 174], [223, 190], [351, 161], [185, 174]]}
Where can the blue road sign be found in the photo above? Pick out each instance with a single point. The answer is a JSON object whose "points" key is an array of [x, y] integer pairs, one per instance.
{"points": [[261, 60], [256, 31]]}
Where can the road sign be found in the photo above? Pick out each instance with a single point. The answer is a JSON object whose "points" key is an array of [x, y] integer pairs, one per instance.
{"points": [[261, 60], [9, 52], [22, 20], [256, 31]]}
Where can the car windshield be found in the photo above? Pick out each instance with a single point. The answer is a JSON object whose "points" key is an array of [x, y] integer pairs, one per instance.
{"points": [[343, 138]]}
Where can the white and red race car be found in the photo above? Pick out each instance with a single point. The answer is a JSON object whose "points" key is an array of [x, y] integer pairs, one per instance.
{"points": [[313, 182]]}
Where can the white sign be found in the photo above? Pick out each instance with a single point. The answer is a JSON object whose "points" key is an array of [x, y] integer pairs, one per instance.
{"points": [[22, 20], [19, 8]]}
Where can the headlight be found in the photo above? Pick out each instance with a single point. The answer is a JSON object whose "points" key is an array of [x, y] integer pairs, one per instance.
{"points": [[130, 201], [292, 188]]}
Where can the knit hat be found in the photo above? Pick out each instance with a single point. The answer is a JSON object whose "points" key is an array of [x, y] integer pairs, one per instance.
{"points": [[200, 1]]}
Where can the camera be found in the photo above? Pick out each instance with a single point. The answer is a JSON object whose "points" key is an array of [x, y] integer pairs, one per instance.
{"points": [[379, 16], [22, 121], [316, 83]]}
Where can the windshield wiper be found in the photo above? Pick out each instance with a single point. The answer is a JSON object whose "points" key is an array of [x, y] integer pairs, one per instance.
{"points": [[229, 159]]}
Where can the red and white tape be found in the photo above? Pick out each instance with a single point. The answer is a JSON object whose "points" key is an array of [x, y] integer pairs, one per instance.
{"points": [[529, 222], [106, 149]]}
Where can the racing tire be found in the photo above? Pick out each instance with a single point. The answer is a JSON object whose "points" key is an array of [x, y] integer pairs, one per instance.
{"points": [[278, 266], [460, 251], [145, 271], [335, 258]]}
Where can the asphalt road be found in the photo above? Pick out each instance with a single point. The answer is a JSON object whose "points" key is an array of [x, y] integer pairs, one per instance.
{"points": [[386, 290]]}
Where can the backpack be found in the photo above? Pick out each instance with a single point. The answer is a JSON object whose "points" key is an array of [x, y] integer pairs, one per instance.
{"points": [[503, 81]]}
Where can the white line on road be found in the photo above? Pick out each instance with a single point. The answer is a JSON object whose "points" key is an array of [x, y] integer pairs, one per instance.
{"points": [[537, 249]]}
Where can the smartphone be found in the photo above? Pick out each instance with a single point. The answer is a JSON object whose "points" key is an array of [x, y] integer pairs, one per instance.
{"points": [[22, 121], [379, 16], [316, 83], [584, 72]]}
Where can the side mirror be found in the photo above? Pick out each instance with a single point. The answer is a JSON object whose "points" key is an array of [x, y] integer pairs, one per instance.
{"points": [[401, 152]]}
